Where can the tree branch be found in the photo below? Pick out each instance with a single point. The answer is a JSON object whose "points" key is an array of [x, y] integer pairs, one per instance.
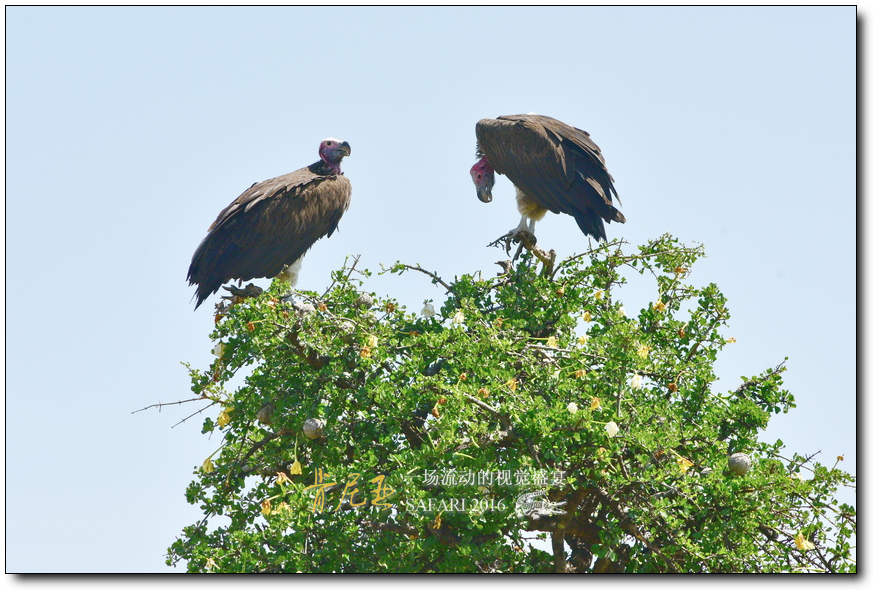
{"points": [[435, 278], [160, 405], [529, 243], [780, 368], [558, 551], [503, 418]]}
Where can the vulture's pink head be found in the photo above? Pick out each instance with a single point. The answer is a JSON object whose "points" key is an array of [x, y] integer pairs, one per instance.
{"points": [[483, 178], [332, 151]]}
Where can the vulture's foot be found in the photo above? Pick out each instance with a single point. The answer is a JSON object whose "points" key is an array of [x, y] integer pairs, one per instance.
{"points": [[503, 241], [237, 294], [524, 239], [514, 236]]}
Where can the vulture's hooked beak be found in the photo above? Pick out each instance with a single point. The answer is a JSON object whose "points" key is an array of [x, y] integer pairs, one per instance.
{"points": [[345, 148], [484, 194]]}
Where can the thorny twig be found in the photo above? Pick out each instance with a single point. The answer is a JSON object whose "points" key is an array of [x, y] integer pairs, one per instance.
{"points": [[160, 405], [435, 278], [186, 418]]}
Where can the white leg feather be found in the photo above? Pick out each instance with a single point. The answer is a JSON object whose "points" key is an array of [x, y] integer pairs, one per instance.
{"points": [[292, 272]]}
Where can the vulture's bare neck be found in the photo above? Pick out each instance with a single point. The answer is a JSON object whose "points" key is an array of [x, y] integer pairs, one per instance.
{"points": [[325, 168]]}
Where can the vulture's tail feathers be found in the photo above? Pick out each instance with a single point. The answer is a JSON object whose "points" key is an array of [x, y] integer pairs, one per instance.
{"points": [[591, 225]]}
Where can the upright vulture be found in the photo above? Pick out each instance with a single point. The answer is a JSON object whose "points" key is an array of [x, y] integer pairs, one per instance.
{"points": [[273, 223], [554, 167]]}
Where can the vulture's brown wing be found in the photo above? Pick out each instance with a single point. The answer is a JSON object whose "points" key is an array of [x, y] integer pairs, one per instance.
{"points": [[554, 164], [271, 224], [581, 154]]}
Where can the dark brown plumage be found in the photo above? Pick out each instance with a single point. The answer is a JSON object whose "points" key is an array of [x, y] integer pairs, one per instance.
{"points": [[554, 167], [273, 223]]}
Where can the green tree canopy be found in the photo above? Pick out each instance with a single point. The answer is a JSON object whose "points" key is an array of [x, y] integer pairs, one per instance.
{"points": [[530, 424]]}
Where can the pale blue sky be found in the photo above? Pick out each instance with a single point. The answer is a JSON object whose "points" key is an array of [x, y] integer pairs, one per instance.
{"points": [[128, 129]]}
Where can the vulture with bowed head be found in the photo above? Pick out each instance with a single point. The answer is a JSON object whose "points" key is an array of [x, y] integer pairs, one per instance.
{"points": [[554, 167]]}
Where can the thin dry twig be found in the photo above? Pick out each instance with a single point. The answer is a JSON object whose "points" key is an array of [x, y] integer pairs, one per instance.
{"points": [[435, 278], [160, 405], [189, 416]]}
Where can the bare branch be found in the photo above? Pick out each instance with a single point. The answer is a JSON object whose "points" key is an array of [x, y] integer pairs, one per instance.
{"points": [[160, 405], [529, 243], [435, 278]]}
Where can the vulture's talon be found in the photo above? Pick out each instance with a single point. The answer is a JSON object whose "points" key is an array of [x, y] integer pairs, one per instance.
{"points": [[505, 241], [236, 294], [524, 237], [518, 252]]}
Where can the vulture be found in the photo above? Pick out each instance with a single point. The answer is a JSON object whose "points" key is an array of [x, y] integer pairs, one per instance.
{"points": [[554, 167], [273, 223]]}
